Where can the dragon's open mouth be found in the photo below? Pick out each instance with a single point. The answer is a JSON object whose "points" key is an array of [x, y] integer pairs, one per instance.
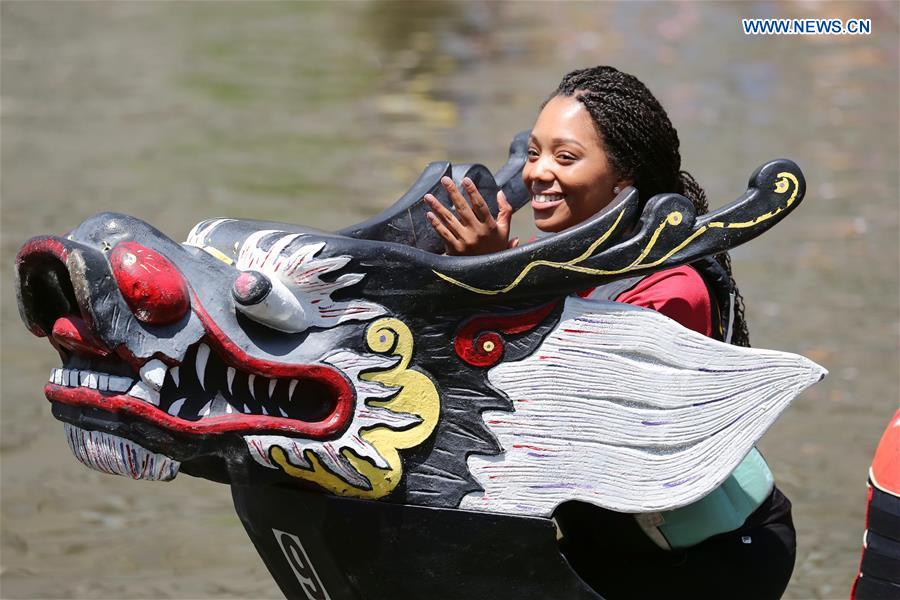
{"points": [[203, 395]]}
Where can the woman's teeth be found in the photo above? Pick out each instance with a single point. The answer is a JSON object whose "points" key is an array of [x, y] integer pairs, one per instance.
{"points": [[546, 198]]}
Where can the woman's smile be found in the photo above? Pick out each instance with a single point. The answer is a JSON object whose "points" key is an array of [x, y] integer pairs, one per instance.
{"points": [[546, 201]]}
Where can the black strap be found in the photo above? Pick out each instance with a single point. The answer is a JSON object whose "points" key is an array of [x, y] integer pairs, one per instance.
{"points": [[614, 289]]}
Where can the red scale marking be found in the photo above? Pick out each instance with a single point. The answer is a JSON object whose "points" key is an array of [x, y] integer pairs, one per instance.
{"points": [[474, 333]]}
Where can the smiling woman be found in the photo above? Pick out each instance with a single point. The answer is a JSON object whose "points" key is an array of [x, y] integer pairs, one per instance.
{"points": [[601, 131]]}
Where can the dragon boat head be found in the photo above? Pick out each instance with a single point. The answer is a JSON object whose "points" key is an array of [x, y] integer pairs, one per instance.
{"points": [[365, 363]]}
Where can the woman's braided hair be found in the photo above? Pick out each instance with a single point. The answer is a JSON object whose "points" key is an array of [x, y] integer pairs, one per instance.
{"points": [[642, 145]]}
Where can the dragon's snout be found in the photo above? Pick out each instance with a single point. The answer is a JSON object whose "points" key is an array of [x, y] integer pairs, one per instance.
{"points": [[54, 282], [145, 329]]}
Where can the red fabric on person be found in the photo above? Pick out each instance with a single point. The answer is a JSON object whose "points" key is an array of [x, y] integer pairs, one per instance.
{"points": [[678, 293]]}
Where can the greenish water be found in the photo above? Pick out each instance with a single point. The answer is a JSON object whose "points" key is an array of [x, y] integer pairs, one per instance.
{"points": [[323, 114]]}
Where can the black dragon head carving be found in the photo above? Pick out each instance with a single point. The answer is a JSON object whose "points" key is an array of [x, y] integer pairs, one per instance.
{"points": [[364, 363]]}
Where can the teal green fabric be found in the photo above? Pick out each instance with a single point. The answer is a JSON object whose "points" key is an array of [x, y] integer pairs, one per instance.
{"points": [[725, 509]]}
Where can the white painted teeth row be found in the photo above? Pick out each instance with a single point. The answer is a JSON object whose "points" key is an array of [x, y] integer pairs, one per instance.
{"points": [[91, 379], [152, 376], [105, 382]]}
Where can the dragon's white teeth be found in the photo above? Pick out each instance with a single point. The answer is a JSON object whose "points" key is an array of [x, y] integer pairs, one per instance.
{"points": [[228, 409], [272, 383], [246, 409], [90, 379], [153, 373], [206, 408], [176, 407], [230, 374], [202, 358], [176, 375], [291, 388], [264, 411], [119, 384], [144, 392], [250, 380], [281, 410]]}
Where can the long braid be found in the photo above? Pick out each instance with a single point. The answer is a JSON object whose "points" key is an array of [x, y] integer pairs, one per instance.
{"points": [[642, 145], [740, 336]]}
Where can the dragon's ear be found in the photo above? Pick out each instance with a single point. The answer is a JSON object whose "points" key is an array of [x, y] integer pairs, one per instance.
{"points": [[612, 245]]}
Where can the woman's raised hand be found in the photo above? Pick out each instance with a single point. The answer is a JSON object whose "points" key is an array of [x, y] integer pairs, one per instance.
{"points": [[473, 230]]}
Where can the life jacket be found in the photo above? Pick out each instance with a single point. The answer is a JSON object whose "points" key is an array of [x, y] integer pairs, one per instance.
{"points": [[727, 507], [879, 566]]}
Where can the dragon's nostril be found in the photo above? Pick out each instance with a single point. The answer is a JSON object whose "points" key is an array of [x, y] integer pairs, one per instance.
{"points": [[151, 285]]}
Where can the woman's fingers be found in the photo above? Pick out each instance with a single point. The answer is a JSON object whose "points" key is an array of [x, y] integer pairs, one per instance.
{"points": [[451, 242], [472, 230], [479, 206], [505, 214], [446, 217], [463, 210]]}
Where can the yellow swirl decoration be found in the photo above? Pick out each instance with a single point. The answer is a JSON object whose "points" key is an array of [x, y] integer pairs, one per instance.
{"points": [[785, 181], [417, 396]]}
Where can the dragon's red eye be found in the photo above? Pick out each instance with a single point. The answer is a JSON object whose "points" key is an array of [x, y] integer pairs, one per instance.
{"points": [[151, 285]]}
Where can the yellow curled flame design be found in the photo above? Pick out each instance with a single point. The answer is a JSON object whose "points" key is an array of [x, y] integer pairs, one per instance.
{"points": [[417, 396]]}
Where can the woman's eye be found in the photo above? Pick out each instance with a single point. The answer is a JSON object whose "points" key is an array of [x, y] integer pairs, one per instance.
{"points": [[532, 153], [565, 157]]}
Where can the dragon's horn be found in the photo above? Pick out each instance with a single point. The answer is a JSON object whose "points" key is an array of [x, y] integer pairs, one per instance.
{"points": [[612, 245]]}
